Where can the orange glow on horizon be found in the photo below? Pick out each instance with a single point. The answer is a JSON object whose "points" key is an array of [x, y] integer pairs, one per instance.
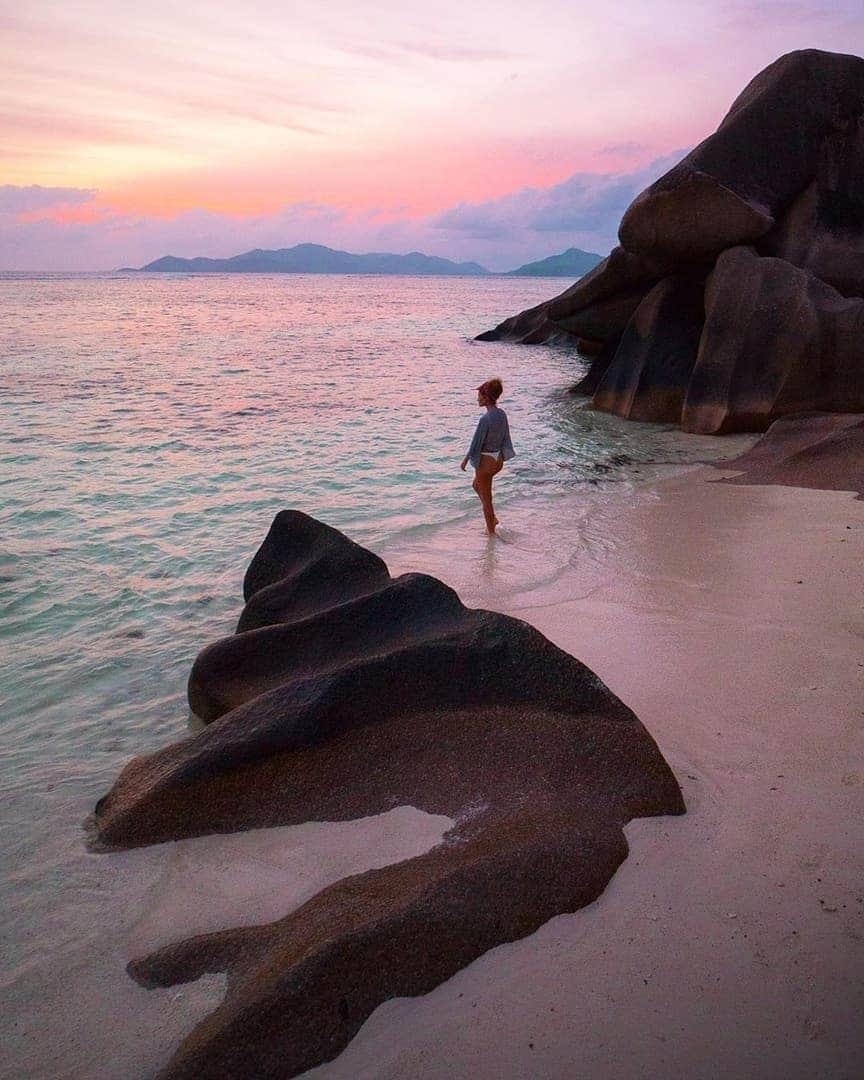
{"points": [[64, 215], [331, 121], [414, 185]]}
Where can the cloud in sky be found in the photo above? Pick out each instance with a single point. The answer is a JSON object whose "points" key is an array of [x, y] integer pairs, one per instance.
{"points": [[791, 12], [101, 95], [456, 53], [503, 131], [624, 149], [501, 233], [24, 200], [585, 205]]}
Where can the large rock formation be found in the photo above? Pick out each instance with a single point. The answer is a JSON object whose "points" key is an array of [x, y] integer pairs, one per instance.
{"points": [[386, 692], [654, 357], [776, 341], [821, 450], [766, 218]]}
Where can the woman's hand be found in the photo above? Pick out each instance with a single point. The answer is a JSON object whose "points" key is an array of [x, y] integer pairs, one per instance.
{"points": [[464, 463]]}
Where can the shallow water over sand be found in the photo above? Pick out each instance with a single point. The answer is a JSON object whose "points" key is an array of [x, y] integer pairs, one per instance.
{"points": [[153, 425]]}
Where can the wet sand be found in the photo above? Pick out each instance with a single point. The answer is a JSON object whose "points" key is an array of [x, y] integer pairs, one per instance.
{"points": [[75, 1013]]}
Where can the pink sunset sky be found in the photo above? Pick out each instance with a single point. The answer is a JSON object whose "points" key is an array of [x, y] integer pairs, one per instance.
{"points": [[494, 131]]}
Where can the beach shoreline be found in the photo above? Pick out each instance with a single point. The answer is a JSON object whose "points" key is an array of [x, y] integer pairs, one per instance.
{"points": [[730, 940]]}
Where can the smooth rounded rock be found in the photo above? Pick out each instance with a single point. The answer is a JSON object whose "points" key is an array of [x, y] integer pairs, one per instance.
{"points": [[397, 696], [810, 450], [732, 188], [776, 341]]}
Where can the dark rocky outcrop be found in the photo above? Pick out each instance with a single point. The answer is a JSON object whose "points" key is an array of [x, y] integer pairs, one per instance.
{"points": [[531, 327], [741, 180], [389, 695], [602, 319], [589, 347], [776, 341], [813, 451], [767, 215], [620, 274], [655, 355], [302, 567], [601, 358], [823, 229]]}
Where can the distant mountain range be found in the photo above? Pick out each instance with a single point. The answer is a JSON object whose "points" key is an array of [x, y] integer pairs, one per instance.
{"points": [[317, 259]]}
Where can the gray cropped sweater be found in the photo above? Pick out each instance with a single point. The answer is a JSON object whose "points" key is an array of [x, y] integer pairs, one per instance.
{"points": [[492, 435]]}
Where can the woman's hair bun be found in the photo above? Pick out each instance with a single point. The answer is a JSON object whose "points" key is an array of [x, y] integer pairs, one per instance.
{"points": [[493, 389]]}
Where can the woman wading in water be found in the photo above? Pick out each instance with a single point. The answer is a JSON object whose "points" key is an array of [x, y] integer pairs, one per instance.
{"points": [[490, 448]]}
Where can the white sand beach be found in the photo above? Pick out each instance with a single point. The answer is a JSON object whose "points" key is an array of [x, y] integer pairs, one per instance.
{"points": [[731, 940]]}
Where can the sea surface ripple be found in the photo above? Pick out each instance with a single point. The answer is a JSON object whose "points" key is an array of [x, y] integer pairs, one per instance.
{"points": [[152, 425]]}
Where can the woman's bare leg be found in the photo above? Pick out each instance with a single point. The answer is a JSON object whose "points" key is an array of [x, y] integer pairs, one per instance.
{"points": [[483, 476]]}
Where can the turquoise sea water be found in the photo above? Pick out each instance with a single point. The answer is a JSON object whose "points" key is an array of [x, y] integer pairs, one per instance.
{"points": [[150, 428]]}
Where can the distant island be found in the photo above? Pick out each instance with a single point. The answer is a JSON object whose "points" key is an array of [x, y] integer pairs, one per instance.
{"points": [[571, 263], [317, 259]]}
